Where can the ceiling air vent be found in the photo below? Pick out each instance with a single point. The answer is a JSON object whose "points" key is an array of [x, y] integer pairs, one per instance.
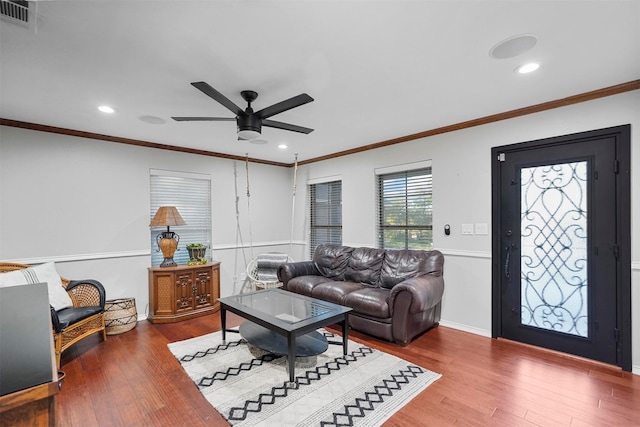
{"points": [[16, 11]]}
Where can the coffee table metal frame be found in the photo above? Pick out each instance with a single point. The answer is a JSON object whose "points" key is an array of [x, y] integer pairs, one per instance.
{"points": [[337, 314]]}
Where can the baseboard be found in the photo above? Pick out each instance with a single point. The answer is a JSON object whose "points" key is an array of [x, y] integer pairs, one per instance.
{"points": [[466, 328]]}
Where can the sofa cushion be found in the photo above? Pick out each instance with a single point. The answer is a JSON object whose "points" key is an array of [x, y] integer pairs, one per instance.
{"points": [[331, 260], [372, 302], [399, 265], [304, 284], [364, 266], [335, 291]]}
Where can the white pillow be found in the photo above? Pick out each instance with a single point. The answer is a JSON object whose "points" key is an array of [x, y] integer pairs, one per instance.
{"points": [[43, 273]]}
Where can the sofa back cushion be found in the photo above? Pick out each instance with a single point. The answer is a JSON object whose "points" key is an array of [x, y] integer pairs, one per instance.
{"points": [[364, 266], [332, 260], [399, 265]]}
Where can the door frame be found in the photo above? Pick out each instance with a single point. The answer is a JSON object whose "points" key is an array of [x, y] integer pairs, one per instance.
{"points": [[622, 136]]}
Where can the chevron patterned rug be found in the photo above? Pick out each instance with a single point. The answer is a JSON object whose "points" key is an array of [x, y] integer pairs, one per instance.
{"points": [[250, 387]]}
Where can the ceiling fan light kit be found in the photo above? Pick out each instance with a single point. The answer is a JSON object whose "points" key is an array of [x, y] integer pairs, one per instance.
{"points": [[249, 122], [248, 134]]}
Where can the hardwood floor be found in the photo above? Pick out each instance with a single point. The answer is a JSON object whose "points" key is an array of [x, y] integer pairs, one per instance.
{"points": [[133, 380]]}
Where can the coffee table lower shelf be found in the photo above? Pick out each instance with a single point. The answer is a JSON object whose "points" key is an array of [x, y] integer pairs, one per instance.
{"points": [[310, 344], [259, 308]]}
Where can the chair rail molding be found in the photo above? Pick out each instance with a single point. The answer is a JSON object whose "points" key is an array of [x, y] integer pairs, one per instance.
{"points": [[464, 253], [83, 257]]}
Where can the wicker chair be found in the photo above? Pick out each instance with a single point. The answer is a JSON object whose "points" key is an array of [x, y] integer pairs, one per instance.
{"points": [[262, 270], [73, 324]]}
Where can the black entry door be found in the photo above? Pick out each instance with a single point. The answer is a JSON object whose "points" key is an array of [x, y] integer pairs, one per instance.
{"points": [[558, 245]]}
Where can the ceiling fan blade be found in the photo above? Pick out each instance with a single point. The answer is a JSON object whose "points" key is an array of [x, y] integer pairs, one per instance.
{"points": [[285, 105], [203, 119], [209, 91], [286, 126]]}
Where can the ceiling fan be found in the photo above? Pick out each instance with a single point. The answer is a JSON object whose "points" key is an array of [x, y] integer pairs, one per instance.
{"points": [[249, 122]]}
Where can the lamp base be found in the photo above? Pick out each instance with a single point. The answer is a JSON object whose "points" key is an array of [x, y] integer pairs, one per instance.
{"points": [[168, 243], [168, 262]]}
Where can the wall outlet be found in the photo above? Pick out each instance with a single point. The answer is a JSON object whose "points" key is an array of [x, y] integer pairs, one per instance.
{"points": [[466, 229]]}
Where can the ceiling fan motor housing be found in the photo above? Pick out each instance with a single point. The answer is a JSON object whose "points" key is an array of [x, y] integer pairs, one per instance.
{"points": [[249, 122]]}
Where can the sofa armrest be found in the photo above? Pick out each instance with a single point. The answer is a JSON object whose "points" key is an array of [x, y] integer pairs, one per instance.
{"points": [[87, 293], [426, 291], [290, 270]]}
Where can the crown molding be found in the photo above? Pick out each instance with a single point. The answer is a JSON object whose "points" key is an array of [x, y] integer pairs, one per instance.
{"points": [[562, 102]]}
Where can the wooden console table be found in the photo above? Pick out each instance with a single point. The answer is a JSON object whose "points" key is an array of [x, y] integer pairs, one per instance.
{"points": [[183, 292], [34, 406]]}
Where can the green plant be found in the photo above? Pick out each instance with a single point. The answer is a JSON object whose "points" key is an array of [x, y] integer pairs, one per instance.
{"points": [[195, 245]]}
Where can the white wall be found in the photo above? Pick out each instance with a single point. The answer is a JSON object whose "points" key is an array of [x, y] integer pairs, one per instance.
{"points": [[85, 204], [462, 194]]}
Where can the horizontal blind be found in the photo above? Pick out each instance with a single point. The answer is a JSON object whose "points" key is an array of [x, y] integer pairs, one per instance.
{"points": [[405, 210], [326, 214], [192, 198]]}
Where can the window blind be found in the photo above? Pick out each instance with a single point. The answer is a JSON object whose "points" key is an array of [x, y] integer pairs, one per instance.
{"points": [[326, 214], [192, 198], [405, 210]]}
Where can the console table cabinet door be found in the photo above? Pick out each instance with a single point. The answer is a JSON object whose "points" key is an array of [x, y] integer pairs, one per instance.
{"points": [[183, 292], [163, 294], [202, 288]]}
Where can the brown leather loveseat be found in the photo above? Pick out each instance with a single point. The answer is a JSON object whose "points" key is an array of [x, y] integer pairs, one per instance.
{"points": [[395, 294]]}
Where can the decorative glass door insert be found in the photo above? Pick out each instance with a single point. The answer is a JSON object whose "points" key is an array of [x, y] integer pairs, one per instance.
{"points": [[554, 262]]}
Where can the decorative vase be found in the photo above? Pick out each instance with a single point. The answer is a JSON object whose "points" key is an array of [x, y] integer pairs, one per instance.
{"points": [[168, 243]]}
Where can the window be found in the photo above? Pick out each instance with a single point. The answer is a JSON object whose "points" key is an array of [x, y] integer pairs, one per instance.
{"points": [[405, 210], [191, 195], [326, 214]]}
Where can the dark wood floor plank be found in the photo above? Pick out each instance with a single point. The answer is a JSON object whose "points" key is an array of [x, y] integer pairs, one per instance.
{"points": [[132, 379]]}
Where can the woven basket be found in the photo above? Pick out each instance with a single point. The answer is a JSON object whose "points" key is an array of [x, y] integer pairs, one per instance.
{"points": [[120, 315]]}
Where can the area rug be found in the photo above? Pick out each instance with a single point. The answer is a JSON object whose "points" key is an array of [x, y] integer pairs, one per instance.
{"points": [[251, 387]]}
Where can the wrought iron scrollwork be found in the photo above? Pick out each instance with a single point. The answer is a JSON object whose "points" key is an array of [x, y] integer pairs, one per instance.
{"points": [[554, 247]]}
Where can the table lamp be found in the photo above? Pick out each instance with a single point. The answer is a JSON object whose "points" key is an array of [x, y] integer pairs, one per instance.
{"points": [[167, 240]]}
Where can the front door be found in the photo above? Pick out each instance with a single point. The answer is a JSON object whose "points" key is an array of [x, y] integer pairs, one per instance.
{"points": [[558, 241]]}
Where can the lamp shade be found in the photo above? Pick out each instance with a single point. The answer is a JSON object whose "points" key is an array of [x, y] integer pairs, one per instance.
{"points": [[166, 216]]}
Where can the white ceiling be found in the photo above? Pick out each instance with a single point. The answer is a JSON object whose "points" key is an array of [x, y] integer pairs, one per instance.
{"points": [[377, 69]]}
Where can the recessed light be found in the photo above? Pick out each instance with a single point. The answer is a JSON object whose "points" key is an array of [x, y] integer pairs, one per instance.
{"points": [[528, 68], [283, 146], [106, 109]]}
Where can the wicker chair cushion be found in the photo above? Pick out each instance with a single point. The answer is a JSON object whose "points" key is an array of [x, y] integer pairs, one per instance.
{"points": [[71, 315], [43, 273], [267, 265]]}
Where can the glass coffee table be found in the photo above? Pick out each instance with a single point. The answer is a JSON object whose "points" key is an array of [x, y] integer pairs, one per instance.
{"points": [[285, 323]]}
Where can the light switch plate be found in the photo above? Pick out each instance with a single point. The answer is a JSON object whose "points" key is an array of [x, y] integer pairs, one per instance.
{"points": [[467, 229], [482, 228]]}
